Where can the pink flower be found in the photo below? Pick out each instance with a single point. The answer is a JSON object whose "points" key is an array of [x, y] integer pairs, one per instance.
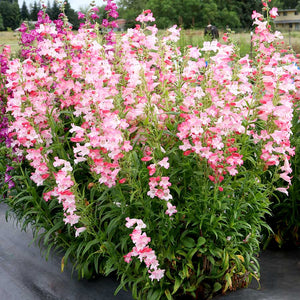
{"points": [[47, 196], [146, 158], [152, 169], [160, 193], [171, 209], [156, 274], [59, 162], [166, 196], [105, 22], [132, 222], [286, 177], [80, 15], [142, 249], [194, 52], [283, 190], [164, 163], [140, 240], [63, 180], [164, 182], [153, 181], [71, 219], [210, 46], [79, 230], [94, 16], [95, 9], [256, 15], [146, 17], [273, 12], [127, 257], [126, 146], [152, 193], [114, 14]]}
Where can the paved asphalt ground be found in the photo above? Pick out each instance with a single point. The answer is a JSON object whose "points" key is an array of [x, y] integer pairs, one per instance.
{"points": [[25, 275]]}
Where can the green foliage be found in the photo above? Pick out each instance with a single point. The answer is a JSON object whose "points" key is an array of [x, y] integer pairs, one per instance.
{"points": [[230, 18], [71, 15], [24, 12], [208, 247], [192, 13], [130, 9], [11, 17], [1, 23], [209, 11], [34, 10], [196, 13]]}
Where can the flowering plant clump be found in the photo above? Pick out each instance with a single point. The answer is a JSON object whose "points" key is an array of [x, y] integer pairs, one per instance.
{"points": [[182, 145]]}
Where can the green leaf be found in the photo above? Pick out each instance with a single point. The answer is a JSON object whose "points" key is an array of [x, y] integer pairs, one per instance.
{"points": [[177, 284], [68, 252], [89, 245], [176, 189], [58, 225], [182, 253], [228, 282], [168, 294], [188, 242], [217, 287], [121, 285], [154, 296]]}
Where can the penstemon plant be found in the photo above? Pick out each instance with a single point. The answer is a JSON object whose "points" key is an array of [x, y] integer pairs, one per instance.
{"points": [[149, 160]]}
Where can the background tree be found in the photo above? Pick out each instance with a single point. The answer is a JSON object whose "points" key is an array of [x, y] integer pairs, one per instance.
{"points": [[24, 12], [165, 12], [11, 15], [188, 12], [289, 4], [54, 11], [192, 13], [209, 12], [48, 9], [34, 11], [243, 9], [84, 8], [130, 9], [1, 23], [228, 18], [72, 15]]}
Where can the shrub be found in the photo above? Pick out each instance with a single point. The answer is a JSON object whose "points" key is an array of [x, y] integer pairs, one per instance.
{"points": [[147, 160]]}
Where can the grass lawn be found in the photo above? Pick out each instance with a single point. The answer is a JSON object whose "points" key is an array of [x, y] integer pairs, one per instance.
{"points": [[242, 40], [194, 37], [10, 38]]}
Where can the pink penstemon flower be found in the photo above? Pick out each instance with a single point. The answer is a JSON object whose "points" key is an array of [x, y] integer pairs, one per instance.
{"points": [[171, 209], [146, 158], [87, 83], [141, 249], [164, 163], [146, 16], [273, 12], [79, 230], [152, 169], [81, 15]]}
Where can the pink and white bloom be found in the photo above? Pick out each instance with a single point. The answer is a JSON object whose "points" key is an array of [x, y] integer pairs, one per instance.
{"points": [[273, 12], [164, 163]]}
